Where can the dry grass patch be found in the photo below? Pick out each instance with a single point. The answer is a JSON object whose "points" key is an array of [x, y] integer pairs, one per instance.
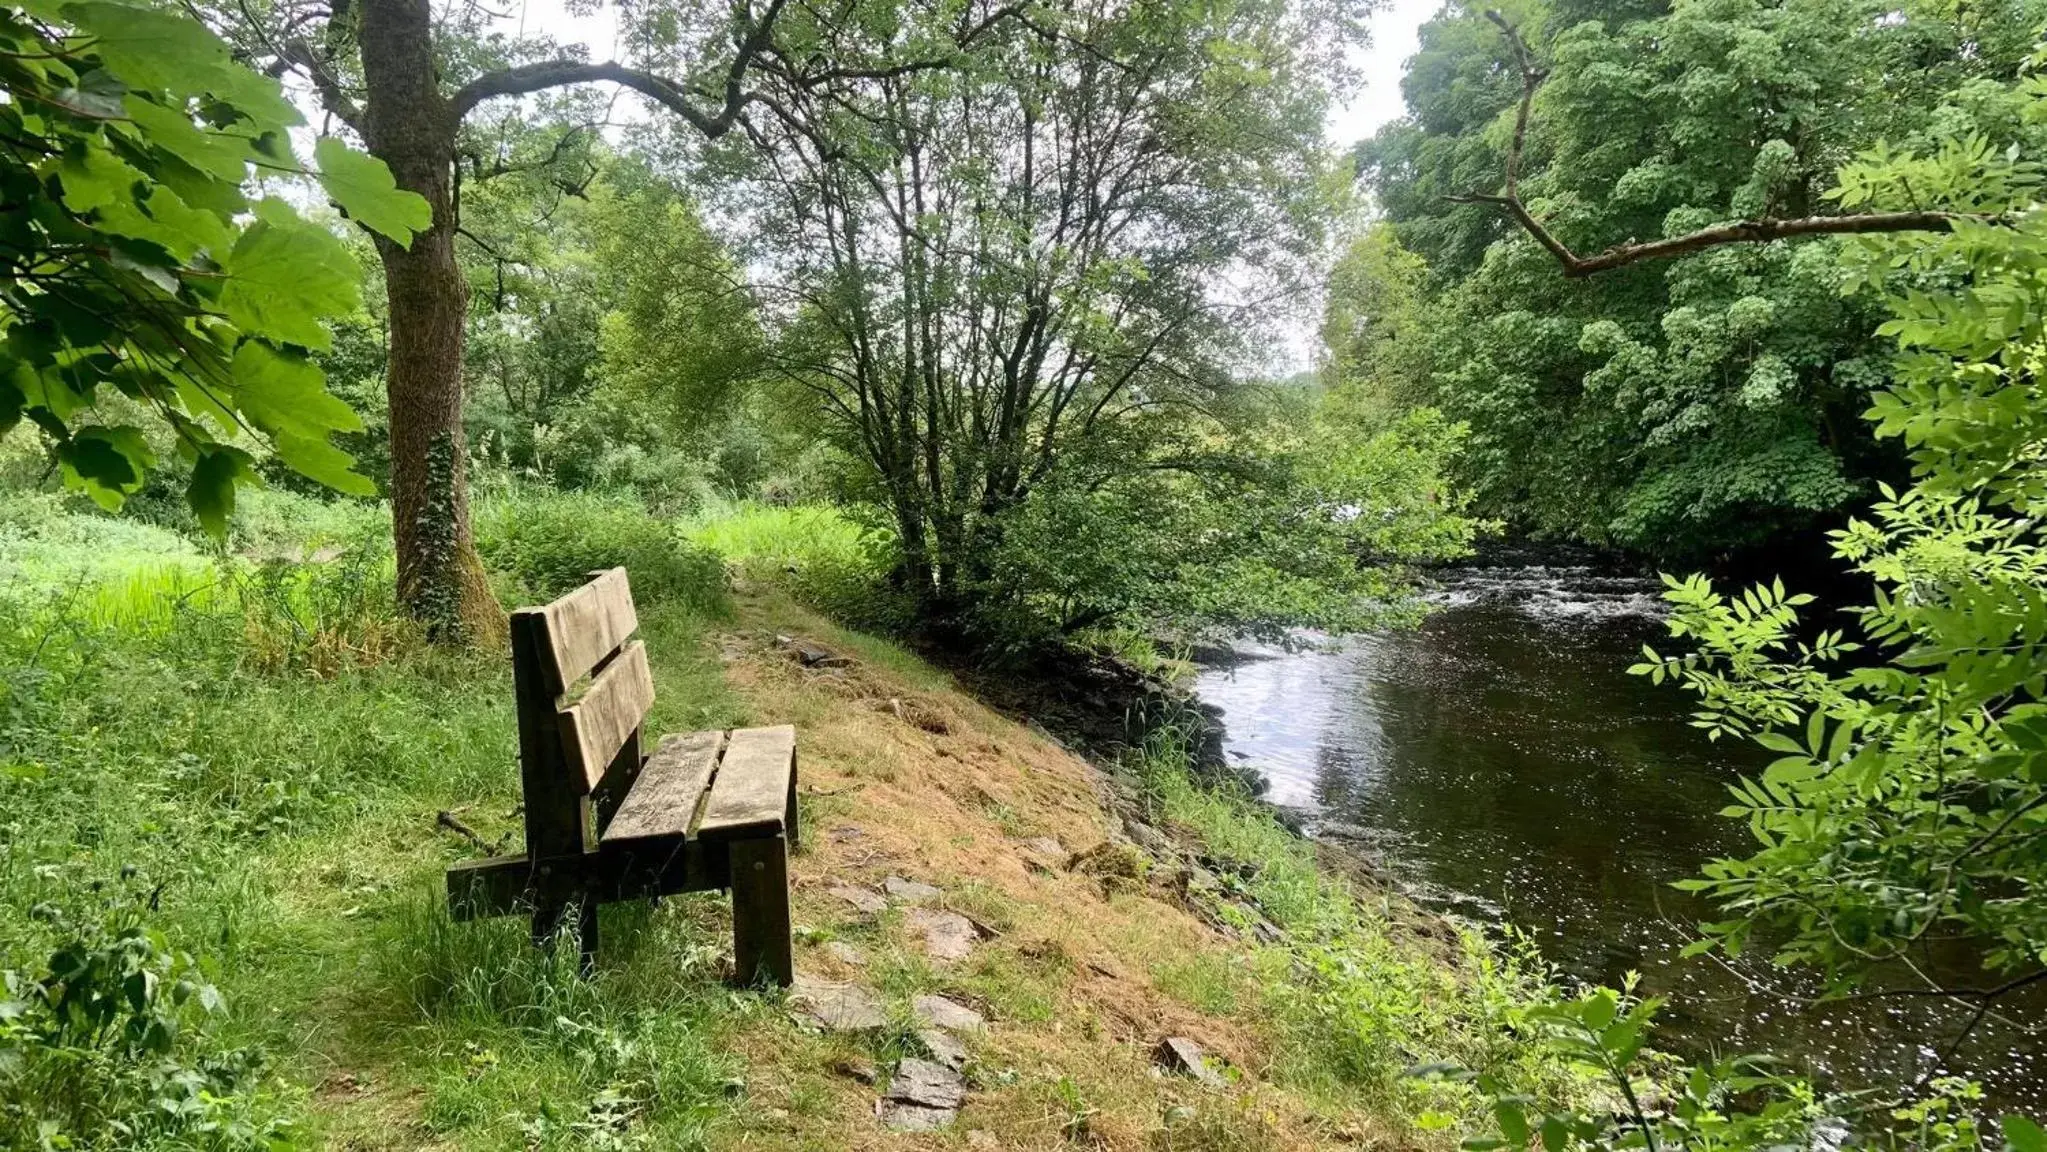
{"points": [[903, 776]]}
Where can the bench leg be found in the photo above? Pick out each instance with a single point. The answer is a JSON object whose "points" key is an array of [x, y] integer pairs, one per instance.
{"points": [[760, 911]]}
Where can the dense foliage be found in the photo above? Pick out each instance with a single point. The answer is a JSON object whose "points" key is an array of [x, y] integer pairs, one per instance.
{"points": [[134, 259], [1910, 800], [1683, 408]]}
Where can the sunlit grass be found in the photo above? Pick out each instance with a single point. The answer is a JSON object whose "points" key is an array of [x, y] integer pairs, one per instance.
{"points": [[774, 535]]}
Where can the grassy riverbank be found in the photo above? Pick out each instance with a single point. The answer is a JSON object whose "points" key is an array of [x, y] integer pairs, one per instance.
{"points": [[247, 757]]}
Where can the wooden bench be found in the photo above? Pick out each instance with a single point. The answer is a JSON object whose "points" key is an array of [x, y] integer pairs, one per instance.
{"points": [[604, 823]]}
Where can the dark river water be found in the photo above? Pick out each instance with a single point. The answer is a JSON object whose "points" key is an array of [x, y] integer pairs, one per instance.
{"points": [[1501, 762]]}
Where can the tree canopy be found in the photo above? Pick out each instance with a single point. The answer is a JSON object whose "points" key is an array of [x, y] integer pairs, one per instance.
{"points": [[1686, 408]]}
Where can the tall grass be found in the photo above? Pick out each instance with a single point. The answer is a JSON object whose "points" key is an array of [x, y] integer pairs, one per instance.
{"points": [[258, 741], [777, 536]]}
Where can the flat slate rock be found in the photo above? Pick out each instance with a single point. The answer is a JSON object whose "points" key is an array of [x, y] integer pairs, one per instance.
{"points": [[845, 953], [866, 901], [901, 1117], [927, 1084], [837, 1007], [1184, 1056], [947, 935], [951, 1015], [944, 1048], [909, 891]]}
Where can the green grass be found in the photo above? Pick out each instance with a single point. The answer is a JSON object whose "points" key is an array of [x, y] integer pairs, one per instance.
{"points": [[1358, 993], [280, 812], [776, 536]]}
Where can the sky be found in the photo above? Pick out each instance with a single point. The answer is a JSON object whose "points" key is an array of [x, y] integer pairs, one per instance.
{"points": [[1394, 31]]}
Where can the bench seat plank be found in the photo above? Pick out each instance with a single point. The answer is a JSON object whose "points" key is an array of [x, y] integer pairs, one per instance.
{"points": [[663, 801], [750, 794], [595, 727]]}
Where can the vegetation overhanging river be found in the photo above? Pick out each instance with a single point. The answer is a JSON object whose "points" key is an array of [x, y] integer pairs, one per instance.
{"points": [[1502, 765]]}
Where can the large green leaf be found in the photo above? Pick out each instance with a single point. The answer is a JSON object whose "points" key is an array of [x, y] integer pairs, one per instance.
{"points": [[94, 178], [222, 155], [285, 395], [164, 50], [284, 275], [365, 189], [165, 220]]}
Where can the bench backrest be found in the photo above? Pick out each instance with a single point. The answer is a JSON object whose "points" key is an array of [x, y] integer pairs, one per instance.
{"points": [[578, 757]]}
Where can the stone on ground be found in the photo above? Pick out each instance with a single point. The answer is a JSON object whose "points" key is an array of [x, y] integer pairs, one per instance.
{"points": [[868, 902], [944, 1048], [845, 953], [836, 1007], [947, 935], [909, 891], [1179, 1054], [951, 1015], [923, 1097]]}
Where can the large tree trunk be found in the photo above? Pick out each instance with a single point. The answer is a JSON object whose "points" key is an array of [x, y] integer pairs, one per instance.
{"points": [[410, 127]]}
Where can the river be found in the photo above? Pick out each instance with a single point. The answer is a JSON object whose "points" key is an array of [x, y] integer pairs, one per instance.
{"points": [[1501, 763]]}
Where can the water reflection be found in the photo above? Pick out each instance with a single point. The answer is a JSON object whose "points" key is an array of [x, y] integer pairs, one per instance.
{"points": [[1501, 762]]}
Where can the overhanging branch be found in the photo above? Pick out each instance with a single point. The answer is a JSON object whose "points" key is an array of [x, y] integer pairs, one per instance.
{"points": [[668, 93], [1762, 231]]}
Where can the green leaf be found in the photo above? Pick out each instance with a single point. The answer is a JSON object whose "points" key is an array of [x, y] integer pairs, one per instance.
{"points": [[2022, 1134], [365, 189], [168, 222], [94, 178], [13, 397], [285, 395], [212, 489], [284, 275], [106, 463], [161, 50], [220, 155]]}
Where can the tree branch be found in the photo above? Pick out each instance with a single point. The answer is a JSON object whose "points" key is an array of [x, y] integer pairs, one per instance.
{"points": [[1760, 231], [557, 73]]}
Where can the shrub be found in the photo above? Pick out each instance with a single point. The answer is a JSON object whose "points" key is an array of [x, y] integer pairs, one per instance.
{"points": [[106, 1045], [551, 541]]}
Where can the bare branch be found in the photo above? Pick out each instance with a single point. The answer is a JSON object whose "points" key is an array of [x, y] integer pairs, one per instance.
{"points": [[1761, 231], [558, 73]]}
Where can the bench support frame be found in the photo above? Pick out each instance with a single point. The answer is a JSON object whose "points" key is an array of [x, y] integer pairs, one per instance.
{"points": [[569, 868]]}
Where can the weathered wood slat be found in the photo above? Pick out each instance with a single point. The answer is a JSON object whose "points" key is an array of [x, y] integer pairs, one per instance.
{"points": [[624, 871], [584, 627], [664, 800], [750, 794], [593, 728]]}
